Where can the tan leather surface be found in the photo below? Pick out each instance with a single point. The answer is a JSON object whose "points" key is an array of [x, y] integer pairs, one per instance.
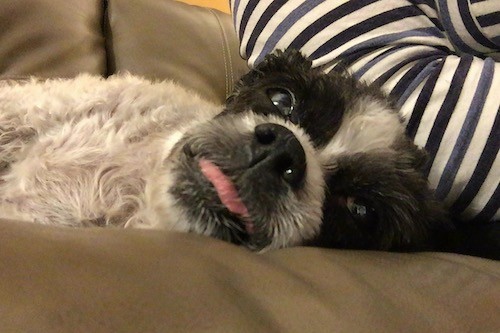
{"points": [[51, 38], [194, 46], [81, 280]]}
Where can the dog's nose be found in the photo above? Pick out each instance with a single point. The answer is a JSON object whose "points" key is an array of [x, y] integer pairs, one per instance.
{"points": [[276, 150]]}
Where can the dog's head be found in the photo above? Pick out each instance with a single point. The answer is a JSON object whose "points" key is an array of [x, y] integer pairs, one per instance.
{"points": [[303, 157]]}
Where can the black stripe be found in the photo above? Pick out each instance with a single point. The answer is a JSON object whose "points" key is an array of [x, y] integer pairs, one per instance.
{"points": [[387, 75], [351, 58], [347, 59], [470, 25], [437, 23], [263, 20], [489, 209], [422, 101], [488, 19], [481, 171], [409, 76], [364, 27], [447, 108], [327, 19], [246, 16]]}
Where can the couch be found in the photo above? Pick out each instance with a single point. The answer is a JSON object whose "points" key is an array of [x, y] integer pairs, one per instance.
{"points": [[113, 280]]}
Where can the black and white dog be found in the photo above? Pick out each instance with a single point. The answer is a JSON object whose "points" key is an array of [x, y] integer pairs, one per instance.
{"points": [[296, 156]]}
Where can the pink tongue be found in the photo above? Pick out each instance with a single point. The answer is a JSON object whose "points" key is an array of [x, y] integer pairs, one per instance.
{"points": [[226, 191]]}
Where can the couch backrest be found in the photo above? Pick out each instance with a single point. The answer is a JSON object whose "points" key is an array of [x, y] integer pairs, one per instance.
{"points": [[158, 39]]}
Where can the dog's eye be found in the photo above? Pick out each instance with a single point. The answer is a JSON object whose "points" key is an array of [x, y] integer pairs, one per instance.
{"points": [[283, 99], [359, 209]]}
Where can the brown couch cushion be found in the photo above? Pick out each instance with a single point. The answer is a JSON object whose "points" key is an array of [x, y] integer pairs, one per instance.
{"points": [[194, 46], [51, 38], [104, 280]]}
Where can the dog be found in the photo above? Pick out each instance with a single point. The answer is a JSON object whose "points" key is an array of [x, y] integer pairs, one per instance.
{"points": [[294, 157]]}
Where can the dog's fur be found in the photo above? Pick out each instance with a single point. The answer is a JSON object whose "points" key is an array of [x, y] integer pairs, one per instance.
{"points": [[129, 152]]}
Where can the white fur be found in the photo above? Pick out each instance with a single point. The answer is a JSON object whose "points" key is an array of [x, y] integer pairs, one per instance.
{"points": [[368, 125], [100, 144]]}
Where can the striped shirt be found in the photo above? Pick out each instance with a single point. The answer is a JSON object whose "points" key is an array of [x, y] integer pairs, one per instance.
{"points": [[438, 59]]}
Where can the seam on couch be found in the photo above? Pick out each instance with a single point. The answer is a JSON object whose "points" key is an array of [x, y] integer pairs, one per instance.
{"points": [[108, 40], [228, 64]]}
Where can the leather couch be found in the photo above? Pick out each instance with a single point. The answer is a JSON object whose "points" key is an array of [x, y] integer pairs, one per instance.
{"points": [[110, 280]]}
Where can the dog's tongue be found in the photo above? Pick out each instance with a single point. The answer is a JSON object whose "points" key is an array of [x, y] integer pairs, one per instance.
{"points": [[227, 192]]}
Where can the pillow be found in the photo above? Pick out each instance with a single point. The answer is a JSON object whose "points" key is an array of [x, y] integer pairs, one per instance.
{"points": [[441, 70]]}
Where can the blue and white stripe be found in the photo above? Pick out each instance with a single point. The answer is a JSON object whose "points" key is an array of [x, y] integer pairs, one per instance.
{"points": [[438, 59]]}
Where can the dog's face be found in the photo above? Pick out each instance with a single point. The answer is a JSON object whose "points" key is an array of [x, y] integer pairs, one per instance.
{"points": [[250, 179], [303, 157]]}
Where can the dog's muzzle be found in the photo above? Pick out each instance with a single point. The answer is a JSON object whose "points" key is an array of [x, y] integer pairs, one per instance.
{"points": [[249, 181]]}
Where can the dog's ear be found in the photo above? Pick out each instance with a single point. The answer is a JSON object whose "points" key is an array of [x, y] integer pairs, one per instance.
{"points": [[413, 156], [288, 61], [284, 61]]}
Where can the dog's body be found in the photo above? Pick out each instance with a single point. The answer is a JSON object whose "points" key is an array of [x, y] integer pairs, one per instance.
{"points": [[295, 156], [87, 151]]}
